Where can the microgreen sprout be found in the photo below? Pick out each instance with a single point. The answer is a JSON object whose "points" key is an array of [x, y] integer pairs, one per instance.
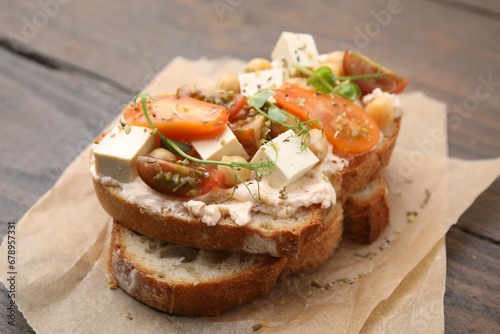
{"points": [[260, 100], [238, 180], [326, 82]]}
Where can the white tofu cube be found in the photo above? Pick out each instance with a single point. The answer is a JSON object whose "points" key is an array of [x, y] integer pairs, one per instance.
{"points": [[251, 83], [291, 162], [216, 148], [116, 155], [295, 48]]}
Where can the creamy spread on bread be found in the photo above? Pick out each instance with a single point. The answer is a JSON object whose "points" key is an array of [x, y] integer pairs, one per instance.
{"points": [[314, 188]]}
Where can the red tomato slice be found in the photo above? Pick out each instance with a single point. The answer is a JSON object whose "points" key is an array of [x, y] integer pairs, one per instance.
{"points": [[347, 126], [357, 64], [180, 118]]}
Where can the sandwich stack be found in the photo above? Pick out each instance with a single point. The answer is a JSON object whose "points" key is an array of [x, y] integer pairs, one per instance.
{"points": [[218, 192]]}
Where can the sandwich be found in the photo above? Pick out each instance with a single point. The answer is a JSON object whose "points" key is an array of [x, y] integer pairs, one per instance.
{"points": [[216, 192]]}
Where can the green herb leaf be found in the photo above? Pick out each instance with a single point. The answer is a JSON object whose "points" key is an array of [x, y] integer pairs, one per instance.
{"points": [[276, 114], [184, 147], [322, 79], [348, 90], [259, 99]]}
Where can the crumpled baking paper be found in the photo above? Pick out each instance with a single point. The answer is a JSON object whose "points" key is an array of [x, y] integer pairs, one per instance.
{"points": [[395, 285]]}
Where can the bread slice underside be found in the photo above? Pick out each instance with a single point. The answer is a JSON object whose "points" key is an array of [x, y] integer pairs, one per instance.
{"points": [[187, 281], [367, 211], [265, 234]]}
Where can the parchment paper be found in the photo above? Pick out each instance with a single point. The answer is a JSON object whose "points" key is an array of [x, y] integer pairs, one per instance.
{"points": [[395, 285]]}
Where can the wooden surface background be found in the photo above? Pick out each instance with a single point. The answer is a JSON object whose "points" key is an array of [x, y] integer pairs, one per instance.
{"points": [[66, 67]]}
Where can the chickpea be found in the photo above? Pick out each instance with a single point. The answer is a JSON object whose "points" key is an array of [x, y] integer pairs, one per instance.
{"points": [[337, 69], [335, 61], [162, 154], [258, 64], [382, 110], [335, 57], [230, 178], [229, 82], [318, 144]]}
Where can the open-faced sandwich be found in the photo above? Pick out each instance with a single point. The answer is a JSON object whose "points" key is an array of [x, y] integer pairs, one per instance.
{"points": [[217, 191]]}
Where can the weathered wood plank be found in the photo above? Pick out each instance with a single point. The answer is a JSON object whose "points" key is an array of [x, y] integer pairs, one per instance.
{"points": [[484, 209], [62, 110], [481, 7], [39, 105], [472, 284]]}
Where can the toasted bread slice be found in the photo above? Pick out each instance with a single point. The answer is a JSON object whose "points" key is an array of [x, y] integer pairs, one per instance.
{"points": [[187, 281], [363, 167], [316, 250], [367, 211], [265, 234]]}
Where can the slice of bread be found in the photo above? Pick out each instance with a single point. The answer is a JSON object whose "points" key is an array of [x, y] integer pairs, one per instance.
{"points": [[187, 281], [366, 211], [364, 167], [265, 234], [316, 250]]}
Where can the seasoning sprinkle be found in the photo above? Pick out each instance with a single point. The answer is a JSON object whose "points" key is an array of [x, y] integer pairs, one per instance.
{"points": [[300, 101], [411, 216], [283, 193], [316, 284], [426, 199], [256, 327], [368, 255]]}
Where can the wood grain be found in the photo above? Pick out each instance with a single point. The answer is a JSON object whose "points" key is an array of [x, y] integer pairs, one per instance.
{"points": [[42, 107], [90, 57], [472, 283]]}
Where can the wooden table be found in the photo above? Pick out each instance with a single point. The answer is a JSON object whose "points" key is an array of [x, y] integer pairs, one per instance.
{"points": [[67, 67]]}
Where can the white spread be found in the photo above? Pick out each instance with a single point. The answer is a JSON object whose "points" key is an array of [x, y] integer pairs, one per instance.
{"points": [[312, 188]]}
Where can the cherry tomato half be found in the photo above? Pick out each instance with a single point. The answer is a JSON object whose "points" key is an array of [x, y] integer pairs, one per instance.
{"points": [[357, 64], [179, 179], [180, 117], [347, 126]]}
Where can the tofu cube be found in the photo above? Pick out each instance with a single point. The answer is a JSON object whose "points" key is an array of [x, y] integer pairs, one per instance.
{"points": [[116, 155], [295, 48], [251, 83], [291, 162], [216, 148]]}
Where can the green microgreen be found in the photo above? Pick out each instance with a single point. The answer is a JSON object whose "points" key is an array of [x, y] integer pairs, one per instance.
{"points": [[259, 101], [239, 181], [324, 81], [183, 146], [349, 90]]}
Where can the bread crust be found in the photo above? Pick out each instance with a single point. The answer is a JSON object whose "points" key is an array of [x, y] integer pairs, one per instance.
{"points": [[364, 167], [367, 212], [187, 298], [255, 237], [316, 250]]}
